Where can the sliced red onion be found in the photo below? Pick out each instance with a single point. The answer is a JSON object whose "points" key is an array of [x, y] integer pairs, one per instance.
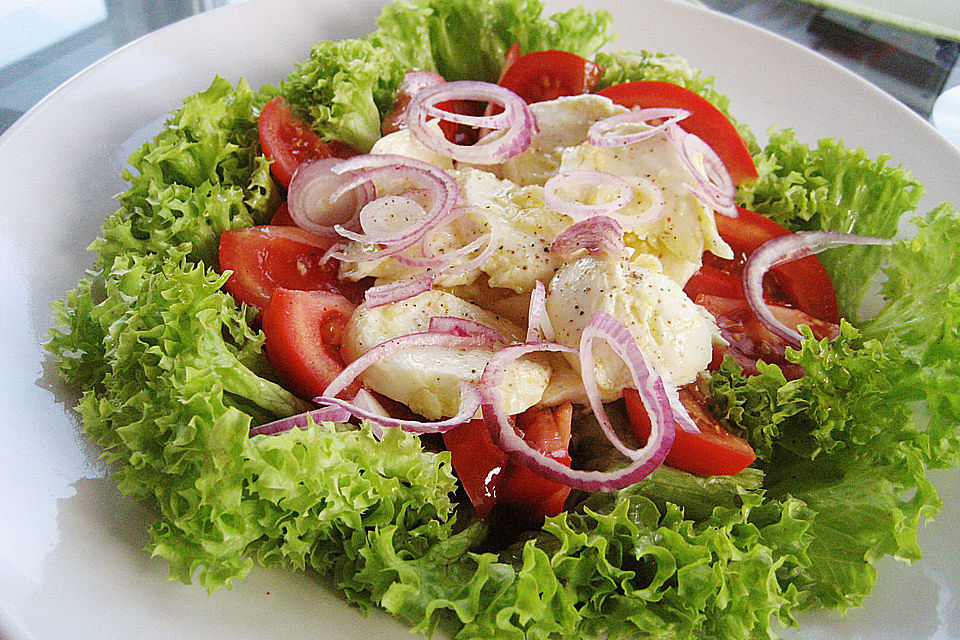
{"points": [[599, 134], [648, 383], [395, 345], [506, 437], [452, 265], [365, 401], [714, 187], [514, 126], [598, 235], [440, 186], [469, 405], [538, 321], [786, 249], [466, 328], [577, 210], [301, 421], [310, 200], [389, 215], [680, 413]]}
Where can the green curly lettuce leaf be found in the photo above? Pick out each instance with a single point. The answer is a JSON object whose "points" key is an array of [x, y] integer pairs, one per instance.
{"points": [[833, 187], [201, 175], [626, 569], [345, 88]]}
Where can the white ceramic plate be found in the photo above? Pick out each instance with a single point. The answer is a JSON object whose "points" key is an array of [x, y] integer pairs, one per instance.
{"points": [[72, 563]]}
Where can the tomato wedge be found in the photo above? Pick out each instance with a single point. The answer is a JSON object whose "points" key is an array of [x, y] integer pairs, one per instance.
{"points": [[531, 496], [802, 283], [547, 75], [282, 217], [749, 340], [712, 452], [267, 257], [478, 462], [302, 332], [288, 141], [491, 479], [705, 120]]}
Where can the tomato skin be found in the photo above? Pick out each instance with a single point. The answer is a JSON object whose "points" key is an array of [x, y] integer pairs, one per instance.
{"points": [[491, 479], [712, 452], [282, 217], [302, 332], [478, 462], [713, 281], [802, 283], [289, 141], [267, 257], [531, 496], [705, 120], [749, 340], [547, 75]]}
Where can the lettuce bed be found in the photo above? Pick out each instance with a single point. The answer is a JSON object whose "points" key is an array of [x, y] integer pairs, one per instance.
{"points": [[172, 378]]}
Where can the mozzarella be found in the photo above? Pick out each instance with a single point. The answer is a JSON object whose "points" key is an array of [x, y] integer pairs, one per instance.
{"points": [[686, 228], [427, 379], [675, 334]]}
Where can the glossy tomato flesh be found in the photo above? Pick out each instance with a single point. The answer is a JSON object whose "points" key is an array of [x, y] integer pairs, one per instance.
{"points": [[711, 452], [267, 257], [532, 496], [547, 75], [749, 340], [705, 120], [288, 141], [491, 479], [478, 462], [802, 283], [302, 332]]}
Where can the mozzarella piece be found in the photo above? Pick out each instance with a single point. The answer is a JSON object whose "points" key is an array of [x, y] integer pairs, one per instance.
{"points": [[404, 143], [675, 334], [561, 123], [687, 228], [427, 379]]}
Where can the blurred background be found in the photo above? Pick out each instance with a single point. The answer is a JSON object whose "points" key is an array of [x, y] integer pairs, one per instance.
{"points": [[913, 57]]}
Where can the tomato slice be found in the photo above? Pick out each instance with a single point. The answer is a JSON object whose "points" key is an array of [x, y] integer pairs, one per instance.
{"points": [[282, 217], [289, 141], [267, 257], [802, 283], [478, 462], [547, 75], [454, 132], [531, 496], [705, 120], [712, 452], [491, 479], [713, 281], [302, 332], [749, 340]]}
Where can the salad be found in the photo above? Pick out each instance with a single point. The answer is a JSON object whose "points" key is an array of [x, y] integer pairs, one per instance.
{"points": [[607, 424]]}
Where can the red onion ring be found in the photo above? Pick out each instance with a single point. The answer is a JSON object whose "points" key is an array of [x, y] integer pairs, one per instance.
{"points": [[599, 133], [714, 187], [598, 235], [452, 266], [469, 405], [516, 123], [648, 382], [680, 413], [538, 321], [577, 210], [786, 249], [506, 437], [310, 200], [440, 186], [301, 421], [463, 327], [395, 345]]}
